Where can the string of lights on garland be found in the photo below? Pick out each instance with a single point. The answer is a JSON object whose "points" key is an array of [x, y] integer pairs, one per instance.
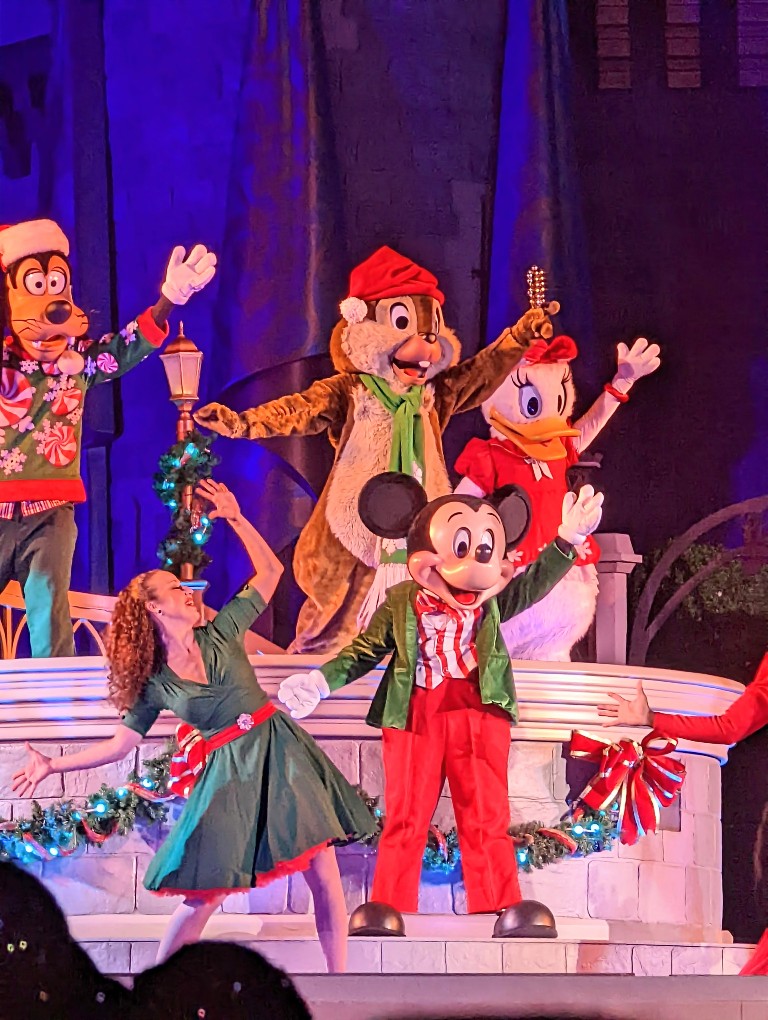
{"points": [[67, 827], [184, 465]]}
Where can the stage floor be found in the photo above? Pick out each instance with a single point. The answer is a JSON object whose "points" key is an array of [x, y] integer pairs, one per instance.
{"points": [[358, 997]]}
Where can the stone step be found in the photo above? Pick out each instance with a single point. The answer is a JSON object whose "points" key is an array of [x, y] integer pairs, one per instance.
{"points": [[365, 997], [123, 944]]}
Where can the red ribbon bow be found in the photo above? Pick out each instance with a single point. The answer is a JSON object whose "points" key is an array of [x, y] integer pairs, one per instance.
{"points": [[187, 761], [641, 778], [561, 348]]}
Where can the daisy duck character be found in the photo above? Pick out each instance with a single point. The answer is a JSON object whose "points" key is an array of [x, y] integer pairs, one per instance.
{"points": [[446, 702], [533, 442], [48, 367]]}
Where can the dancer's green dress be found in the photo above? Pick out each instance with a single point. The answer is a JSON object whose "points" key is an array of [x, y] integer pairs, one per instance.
{"points": [[266, 801]]}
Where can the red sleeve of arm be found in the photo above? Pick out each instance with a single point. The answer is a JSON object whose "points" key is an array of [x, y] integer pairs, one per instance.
{"points": [[476, 463], [745, 716], [150, 330]]}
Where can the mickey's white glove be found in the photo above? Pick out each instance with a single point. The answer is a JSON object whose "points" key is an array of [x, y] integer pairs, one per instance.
{"points": [[581, 514], [301, 693], [642, 359], [185, 276]]}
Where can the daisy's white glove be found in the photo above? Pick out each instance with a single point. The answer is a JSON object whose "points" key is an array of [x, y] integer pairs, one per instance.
{"points": [[581, 515], [301, 693], [185, 276], [635, 362]]}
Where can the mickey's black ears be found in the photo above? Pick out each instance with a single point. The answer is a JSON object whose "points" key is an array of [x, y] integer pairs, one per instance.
{"points": [[389, 502], [514, 507]]}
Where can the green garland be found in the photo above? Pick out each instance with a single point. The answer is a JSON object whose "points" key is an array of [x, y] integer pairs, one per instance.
{"points": [[65, 827], [185, 464]]}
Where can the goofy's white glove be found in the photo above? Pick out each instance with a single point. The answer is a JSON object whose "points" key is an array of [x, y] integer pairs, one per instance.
{"points": [[642, 359], [301, 693], [185, 276], [581, 515]]}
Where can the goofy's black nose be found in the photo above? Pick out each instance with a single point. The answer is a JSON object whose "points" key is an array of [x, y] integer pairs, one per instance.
{"points": [[58, 311]]}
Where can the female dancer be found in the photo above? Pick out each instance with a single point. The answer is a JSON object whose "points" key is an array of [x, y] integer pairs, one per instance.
{"points": [[745, 716], [268, 802]]}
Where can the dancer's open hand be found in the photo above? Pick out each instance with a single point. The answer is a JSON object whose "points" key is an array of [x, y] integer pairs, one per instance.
{"points": [[626, 712], [225, 505], [38, 767]]}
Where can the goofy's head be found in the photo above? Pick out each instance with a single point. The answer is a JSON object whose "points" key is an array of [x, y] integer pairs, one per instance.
{"points": [[41, 318]]}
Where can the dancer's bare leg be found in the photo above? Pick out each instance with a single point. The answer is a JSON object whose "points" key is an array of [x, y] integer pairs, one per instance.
{"points": [[324, 881], [186, 924]]}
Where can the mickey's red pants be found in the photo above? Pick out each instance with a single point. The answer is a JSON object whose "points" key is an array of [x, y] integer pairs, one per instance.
{"points": [[450, 734]]}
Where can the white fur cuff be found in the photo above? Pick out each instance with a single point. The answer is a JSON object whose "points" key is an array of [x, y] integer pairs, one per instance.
{"points": [[33, 237], [353, 309]]}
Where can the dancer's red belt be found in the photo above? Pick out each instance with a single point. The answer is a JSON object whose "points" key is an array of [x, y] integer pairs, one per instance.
{"points": [[191, 755]]}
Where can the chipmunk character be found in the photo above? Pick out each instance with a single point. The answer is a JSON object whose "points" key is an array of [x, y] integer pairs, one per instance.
{"points": [[447, 698], [48, 367], [532, 443], [398, 383]]}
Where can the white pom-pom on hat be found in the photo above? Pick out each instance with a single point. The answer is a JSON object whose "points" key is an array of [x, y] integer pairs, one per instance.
{"points": [[32, 237], [353, 309]]}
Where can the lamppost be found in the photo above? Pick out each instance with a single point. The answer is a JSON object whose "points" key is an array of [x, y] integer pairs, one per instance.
{"points": [[182, 361]]}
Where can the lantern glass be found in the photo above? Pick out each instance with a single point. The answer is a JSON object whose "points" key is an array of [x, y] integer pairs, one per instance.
{"points": [[182, 369]]}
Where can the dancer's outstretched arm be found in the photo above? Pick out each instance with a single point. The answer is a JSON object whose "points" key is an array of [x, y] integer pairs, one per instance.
{"points": [[745, 716], [267, 568], [40, 766]]}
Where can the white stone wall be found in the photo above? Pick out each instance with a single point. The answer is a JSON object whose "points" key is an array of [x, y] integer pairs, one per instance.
{"points": [[670, 882]]}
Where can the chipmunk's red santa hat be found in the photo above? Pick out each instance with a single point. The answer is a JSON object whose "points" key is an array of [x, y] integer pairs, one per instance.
{"points": [[33, 237], [386, 274]]}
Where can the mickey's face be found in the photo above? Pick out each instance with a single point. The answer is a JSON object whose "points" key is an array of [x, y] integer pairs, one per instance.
{"points": [[466, 565], [41, 313]]}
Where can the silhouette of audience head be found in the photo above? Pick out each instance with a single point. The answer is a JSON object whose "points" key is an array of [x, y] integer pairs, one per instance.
{"points": [[43, 972], [216, 981]]}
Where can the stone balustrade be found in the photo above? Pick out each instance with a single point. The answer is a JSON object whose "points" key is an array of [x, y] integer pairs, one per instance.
{"points": [[667, 887]]}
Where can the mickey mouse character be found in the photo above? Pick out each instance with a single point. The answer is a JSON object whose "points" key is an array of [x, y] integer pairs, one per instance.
{"points": [[48, 366], [447, 697], [398, 383]]}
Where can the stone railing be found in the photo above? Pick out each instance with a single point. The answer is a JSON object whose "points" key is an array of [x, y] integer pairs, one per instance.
{"points": [[667, 887]]}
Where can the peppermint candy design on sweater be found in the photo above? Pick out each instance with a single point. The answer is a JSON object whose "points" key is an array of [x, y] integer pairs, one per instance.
{"points": [[57, 443], [64, 397], [16, 395], [107, 363]]}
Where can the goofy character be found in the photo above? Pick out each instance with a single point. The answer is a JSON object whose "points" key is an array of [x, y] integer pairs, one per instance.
{"points": [[48, 367], [447, 697]]}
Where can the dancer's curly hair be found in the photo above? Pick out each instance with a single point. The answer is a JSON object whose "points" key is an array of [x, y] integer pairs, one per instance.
{"points": [[134, 649]]}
